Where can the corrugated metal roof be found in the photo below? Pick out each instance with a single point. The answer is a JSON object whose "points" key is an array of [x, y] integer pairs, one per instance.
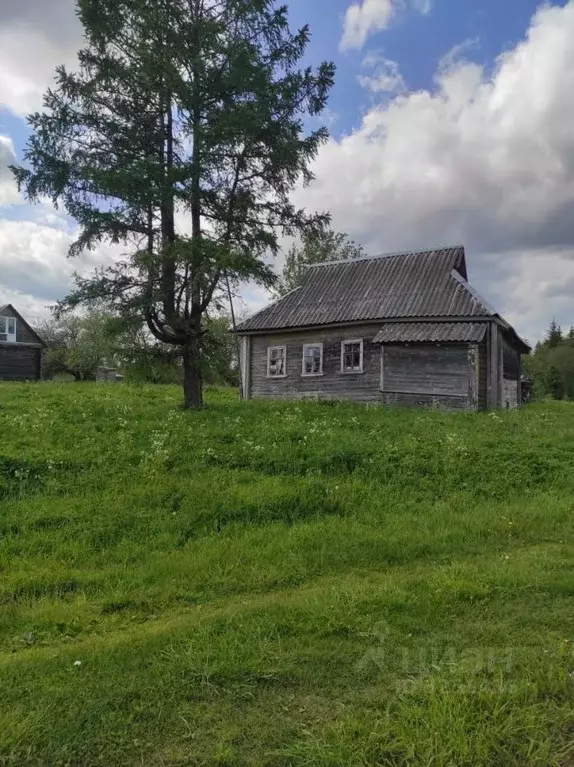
{"points": [[423, 284], [419, 332]]}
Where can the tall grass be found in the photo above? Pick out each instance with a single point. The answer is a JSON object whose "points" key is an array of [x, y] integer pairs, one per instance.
{"points": [[282, 584]]}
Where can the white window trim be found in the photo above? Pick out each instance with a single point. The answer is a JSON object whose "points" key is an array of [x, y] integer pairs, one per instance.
{"points": [[343, 344], [10, 337], [311, 346], [271, 349]]}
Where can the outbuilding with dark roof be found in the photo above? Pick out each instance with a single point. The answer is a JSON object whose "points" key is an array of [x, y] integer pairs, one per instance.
{"points": [[20, 347], [403, 328]]}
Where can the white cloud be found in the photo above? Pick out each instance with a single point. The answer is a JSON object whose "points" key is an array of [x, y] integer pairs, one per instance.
{"points": [[364, 18], [9, 194], [36, 270], [456, 56], [35, 37], [482, 158], [423, 6], [34, 310], [385, 75], [537, 285]]}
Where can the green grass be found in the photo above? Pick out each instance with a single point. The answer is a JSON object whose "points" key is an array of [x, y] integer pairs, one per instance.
{"points": [[282, 584]]}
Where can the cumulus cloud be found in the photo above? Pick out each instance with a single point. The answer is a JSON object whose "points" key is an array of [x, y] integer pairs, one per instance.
{"points": [[34, 38], [456, 56], [384, 76], [8, 191], [533, 286], [364, 18], [35, 259], [483, 158]]}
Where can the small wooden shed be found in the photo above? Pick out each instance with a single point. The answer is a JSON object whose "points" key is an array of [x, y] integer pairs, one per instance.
{"points": [[403, 328], [21, 347]]}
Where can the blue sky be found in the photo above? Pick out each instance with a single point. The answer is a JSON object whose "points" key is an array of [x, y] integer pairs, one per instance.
{"points": [[450, 121], [416, 41]]}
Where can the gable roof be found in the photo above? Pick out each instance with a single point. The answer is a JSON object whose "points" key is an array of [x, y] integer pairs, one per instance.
{"points": [[22, 320], [429, 283]]}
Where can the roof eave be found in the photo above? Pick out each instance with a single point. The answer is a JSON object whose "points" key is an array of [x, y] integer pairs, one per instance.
{"points": [[364, 321]]}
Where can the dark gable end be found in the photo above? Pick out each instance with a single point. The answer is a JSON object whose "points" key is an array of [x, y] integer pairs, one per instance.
{"points": [[428, 283], [25, 332], [20, 360]]}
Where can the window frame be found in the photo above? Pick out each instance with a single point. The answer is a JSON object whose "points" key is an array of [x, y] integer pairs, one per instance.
{"points": [[277, 348], [317, 345], [10, 337], [353, 371]]}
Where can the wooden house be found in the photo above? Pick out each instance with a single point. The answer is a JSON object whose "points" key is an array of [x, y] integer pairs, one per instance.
{"points": [[20, 347], [404, 328]]}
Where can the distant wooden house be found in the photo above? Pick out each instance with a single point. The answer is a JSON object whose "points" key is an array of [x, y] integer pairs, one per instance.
{"points": [[21, 347], [405, 328]]}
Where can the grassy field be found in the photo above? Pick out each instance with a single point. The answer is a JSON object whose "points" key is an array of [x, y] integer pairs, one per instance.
{"points": [[282, 584]]}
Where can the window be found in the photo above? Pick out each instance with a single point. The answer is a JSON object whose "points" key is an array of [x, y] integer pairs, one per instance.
{"points": [[352, 356], [312, 360], [276, 361], [8, 329]]}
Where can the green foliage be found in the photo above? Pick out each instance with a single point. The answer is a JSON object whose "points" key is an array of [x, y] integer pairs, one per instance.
{"points": [[552, 364], [315, 248], [78, 344], [220, 352], [180, 111], [269, 583], [144, 360], [150, 362], [553, 335]]}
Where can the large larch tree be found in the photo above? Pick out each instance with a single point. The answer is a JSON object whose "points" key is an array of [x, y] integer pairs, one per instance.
{"points": [[180, 137]]}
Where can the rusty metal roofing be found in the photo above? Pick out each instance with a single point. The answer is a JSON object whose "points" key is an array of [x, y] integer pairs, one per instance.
{"points": [[429, 283], [433, 332]]}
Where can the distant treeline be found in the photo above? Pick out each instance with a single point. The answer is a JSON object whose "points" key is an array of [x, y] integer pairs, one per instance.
{"points": [[551, 365]]}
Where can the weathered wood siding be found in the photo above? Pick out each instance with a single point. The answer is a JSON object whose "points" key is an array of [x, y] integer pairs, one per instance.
{"points": [[427, 375], [510, 398], [19, 363], [482, 376], [511, 372], [362, 387], [510, 361], [416, 375]]}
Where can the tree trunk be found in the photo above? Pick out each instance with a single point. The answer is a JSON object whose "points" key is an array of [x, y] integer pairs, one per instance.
{"points": [[192, 383]]}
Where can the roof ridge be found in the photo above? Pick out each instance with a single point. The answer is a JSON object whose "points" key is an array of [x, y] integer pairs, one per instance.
{"points": [[381, 256]]}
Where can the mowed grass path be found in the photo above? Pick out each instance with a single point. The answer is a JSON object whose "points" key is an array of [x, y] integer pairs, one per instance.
{"points": [[282, 584]]}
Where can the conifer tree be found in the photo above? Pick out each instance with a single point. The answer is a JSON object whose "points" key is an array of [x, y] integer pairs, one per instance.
{"points": [[180, 137], [553, 335]]}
